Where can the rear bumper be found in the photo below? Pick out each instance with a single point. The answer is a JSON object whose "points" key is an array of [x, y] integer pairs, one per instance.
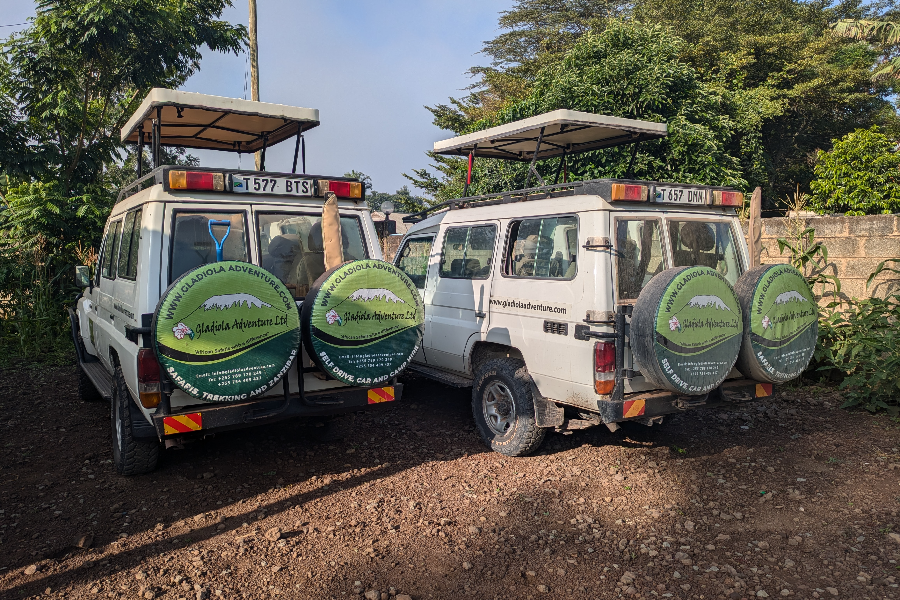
{"points": [[205, 419], [642, 406]]}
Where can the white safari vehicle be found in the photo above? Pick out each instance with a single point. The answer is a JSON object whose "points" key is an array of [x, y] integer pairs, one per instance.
{"points": [[595, 302], [209, 292]]}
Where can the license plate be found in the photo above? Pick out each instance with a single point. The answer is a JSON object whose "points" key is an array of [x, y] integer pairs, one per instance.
{"points": [[251, 184], [680, 195]]}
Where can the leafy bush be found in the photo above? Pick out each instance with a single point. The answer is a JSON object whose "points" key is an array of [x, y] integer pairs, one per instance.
{"points": [[860, 343], [859, 176]]}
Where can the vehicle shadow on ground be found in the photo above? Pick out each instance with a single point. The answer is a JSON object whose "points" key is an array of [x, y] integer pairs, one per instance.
{"points": [[432, 426]]}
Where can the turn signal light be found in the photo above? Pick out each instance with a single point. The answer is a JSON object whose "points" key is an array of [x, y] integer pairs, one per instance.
{"points": [[628, 192], [148, 378], [721, 198], [341, 189], [197, 180], [604, 367]]}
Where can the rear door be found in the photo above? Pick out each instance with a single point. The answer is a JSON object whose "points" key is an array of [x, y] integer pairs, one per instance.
{"points": [[457, 307], [639, 242]]}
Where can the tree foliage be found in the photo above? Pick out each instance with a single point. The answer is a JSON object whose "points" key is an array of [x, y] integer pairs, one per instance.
{"points": [[788, 84], [860, 175], [68, 83]]}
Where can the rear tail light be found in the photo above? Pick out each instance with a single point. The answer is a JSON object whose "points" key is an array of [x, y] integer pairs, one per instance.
{"points": [[628, 192], [148, 378], [341, 189], [197, 180], [604, 367], [721, 198]]}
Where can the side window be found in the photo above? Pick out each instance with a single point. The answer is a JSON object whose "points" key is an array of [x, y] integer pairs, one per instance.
{"points": [[468, 252], [111, 251], [638, 255], [543, 248], [413, 259], [131, 239], [194, 246], [695, 243]]}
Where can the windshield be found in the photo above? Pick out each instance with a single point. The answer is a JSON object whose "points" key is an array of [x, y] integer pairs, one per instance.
{"points": [[291, 248], [707, 244]]}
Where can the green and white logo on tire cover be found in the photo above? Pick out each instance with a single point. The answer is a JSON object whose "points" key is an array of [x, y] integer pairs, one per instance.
{"points": [[783, 323], [226, 331], [698, 330], [363, 322]]}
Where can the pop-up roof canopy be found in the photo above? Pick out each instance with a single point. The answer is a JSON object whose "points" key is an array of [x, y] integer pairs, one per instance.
{"points": [[561, 132], [190, 120]]}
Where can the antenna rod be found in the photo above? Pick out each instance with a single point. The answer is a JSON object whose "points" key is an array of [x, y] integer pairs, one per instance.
{"points": [[254, 66]]}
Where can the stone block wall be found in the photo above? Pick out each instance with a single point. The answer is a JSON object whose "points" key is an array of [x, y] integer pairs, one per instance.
{"points": [[855, 247]]}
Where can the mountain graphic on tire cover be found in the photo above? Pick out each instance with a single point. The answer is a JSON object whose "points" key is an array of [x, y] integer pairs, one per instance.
{"points": [[781, 320], [686, 330]]}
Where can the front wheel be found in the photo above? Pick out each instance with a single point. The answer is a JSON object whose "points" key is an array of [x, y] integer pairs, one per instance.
{"points": [[131, 456], [504, 409]]}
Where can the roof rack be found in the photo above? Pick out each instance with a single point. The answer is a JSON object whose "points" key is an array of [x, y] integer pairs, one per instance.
{"points": [[200, 121], [594, 187], [558, 133]]}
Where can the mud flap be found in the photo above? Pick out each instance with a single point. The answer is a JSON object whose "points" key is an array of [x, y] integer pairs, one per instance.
{"points": [[546, 412]]}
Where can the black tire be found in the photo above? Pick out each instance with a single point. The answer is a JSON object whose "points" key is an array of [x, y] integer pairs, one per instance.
{"points": [[503, 407], [86, 390], [130, 456]]}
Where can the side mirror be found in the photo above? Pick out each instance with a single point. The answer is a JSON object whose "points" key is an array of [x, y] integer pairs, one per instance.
{"points": [[82, 276]]}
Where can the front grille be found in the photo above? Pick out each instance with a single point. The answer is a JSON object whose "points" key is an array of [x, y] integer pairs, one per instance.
{"points": [[556, 328]]}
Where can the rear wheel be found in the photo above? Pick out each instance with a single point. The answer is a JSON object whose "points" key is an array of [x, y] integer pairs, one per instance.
{"points": [[131, 456], [503, 408]]}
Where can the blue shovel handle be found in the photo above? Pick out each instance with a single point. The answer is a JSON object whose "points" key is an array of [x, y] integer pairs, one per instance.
{"points": [[213, 236]]}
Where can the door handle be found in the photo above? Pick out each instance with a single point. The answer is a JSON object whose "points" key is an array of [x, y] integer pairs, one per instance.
{"points": [[480, 315]]}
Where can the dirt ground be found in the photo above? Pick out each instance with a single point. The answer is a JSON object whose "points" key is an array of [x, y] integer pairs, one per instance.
{"points": [[788, 497]]}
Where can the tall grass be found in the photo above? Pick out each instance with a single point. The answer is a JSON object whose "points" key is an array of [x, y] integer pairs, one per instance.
{"points": [[33, 319]]}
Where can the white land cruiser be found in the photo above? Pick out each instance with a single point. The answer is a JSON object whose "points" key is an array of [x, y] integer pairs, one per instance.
{"points": [[596, 302], [214, 285]]}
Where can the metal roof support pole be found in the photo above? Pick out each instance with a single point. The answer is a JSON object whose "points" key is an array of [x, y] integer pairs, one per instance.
{"points": [[469, 171], [140, 152], [303, 152], [562, 161], [262, 159], [297, 148], [628, 173], [154, 147], [531, 168]]}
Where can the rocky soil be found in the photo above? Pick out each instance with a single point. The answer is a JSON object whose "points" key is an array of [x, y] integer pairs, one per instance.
{"points": [[791, 497]]}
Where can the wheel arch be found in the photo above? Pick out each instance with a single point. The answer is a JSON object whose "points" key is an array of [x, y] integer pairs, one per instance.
{"points": [[482, 352]]}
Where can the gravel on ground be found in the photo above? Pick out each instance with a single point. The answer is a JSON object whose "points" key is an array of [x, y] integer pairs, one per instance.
{"points": [[791, 496]]}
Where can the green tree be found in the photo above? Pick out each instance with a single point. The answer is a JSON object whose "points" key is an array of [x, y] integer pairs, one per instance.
{"points": [[68, 83], [627, 70], [791, 85], [78, 72], [860, 175]]}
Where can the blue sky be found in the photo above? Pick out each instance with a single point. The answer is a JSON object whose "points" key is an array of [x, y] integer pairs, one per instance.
{"points": [[369, 67]]}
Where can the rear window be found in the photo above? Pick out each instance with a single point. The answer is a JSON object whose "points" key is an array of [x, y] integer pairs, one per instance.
{"points": [[291, 247], [706, 244], [638, 255], [193, 246]]}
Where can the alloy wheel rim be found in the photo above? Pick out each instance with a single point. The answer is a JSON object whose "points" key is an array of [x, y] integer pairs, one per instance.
{"points": [[498, 407]]}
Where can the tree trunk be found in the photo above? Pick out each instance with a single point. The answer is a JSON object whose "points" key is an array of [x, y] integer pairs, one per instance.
{"points": [[254, 66]]}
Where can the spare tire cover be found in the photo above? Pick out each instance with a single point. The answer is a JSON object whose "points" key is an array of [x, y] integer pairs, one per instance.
{"points": [[781, 323], [363, 322], [219, 345], [686, 330]]}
